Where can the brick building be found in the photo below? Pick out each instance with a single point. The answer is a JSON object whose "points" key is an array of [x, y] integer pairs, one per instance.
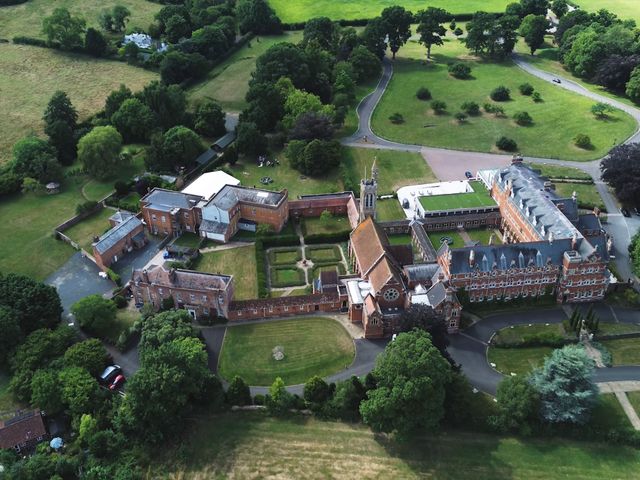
{"points": [[127, 234], [339, 204], [286, 306], [166, 212], [201, 294], [23, 432]]}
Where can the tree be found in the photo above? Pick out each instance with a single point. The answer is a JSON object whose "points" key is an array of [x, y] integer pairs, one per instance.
{"points": [[430, 27], [506, 144], [411, 377], [88, 354], [10, 183], [317, 392], [35, 304], [120, 15], [46, 393], [94, 314], [94, 43], [438, 107], [492, 35], [423, 317], [533, 29], [99, 151], [282, 60], [35, 158], [423, 93], [397, 23], [322, 32], [115, 99], [633, 86], [518, 405], [500, 94], [315, 157], [177, 67], [565, 386], [131, 52], [176, 28], [11, 336], [526, 89], [180, 147], [238, 392], [163, 328], [366, 65], [523, 119], [373, 37], [168, 102], [210, 119], [534, 7], [62, 139], [250, 141], [346, 400], [601, 110], [310, 126], [560, 8], [80, 390], [134, 120], [279, 400], [586, 53], [460, 70], [614, 72], [470, 108], [582, 141], [266, 106], [61, 27], [621, 169], [61, 109], [258, 17]]}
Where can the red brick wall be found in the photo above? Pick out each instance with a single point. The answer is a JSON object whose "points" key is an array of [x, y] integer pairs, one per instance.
{"points": [[188, 222], [105, 259], [284, 306], [274, 216]]}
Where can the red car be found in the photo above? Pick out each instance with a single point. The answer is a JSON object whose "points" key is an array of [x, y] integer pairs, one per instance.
{"points": [[117, 382]]}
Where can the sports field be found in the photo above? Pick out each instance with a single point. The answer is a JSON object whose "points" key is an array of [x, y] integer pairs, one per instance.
{"points": [[479, 198], [291, 11]]}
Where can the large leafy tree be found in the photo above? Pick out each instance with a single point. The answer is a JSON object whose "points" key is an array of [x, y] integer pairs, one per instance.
{"points": [[61, 109], [210, 119], [176, 67], [322, 32], [533, 29], [134, 120], [411, 377], [565, 386], [491, 34], [250, 141], [279, 400], [560, 8], [314, 158], [115, 99], [181, 146], [80, 391], [425, 318], [168, 102], [95, 314], [95, 43], [258, 17], [299, 102], [534, 7], [621, 169], [46, 392], [430, 27], [586, 53], [163, 328], [633, 85], [60, 122], [518, 405], [238, 392], [397, 22], [266, 106], [310, 126], [614, 72], [88, 354], [63, 28], [346, 400], [366, 65], [282, 60], [373, 37], [99, 152], [11, 336], [35, 158]]}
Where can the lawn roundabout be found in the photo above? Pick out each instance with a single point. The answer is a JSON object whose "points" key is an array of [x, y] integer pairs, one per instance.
{"points": [[294, 350]]}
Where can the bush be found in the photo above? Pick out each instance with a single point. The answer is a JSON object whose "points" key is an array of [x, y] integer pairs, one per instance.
{"points": [[10, 183], [120, 301], [497, 110], [500, 94], [507, 144], [460, 70], [114, 277], [460, 116], [582, 141], [86, 207], [523, 119], [396, 118], [423, 93], [258, 399], [471, 108], [438, 106], [122, 188], [168, 303], [526, 89], [536, 97]]}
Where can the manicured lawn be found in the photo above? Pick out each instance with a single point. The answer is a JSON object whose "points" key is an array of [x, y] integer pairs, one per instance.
{"points": [[518, 360], [84, 232], [608, 414], [317, 225], [555, 171], [30, 75], [311, 346], [515, 334], [286, 276], [253, 445], [228, 82], [402, 239], [188, 240], [323, 254], [395, 169], [239, 262], [26, 19], [625, 351], [96, 190], [388, 210], [588, 196], [479, 198], [291, 11], [295, 292], [625, 9], [331, 267], [285, 257], [436, 238], [616, 328], [634, 398], [543, 138], [483, 236]]}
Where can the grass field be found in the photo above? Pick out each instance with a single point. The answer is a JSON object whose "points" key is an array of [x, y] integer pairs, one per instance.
{"points": [[518, 360], [125, 318], [30, 75], [323, 254], [625, 351], [625, 9], [188, 240], [26, 19], [228, 82], [289, 276], [616, 328], [515, 334], [315, 226], [311, 346], [478, 198], [95, 190], [400, 239], [83, 233], [252, 445], [634, 398], [479, 133], [555, 171], [436, 238], [291, 11], [390, 209], [285, 257], [239, 262], [588, 196]]}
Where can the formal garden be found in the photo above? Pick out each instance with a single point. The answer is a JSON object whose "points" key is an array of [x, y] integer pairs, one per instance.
{"points": [[309, 346], [464, 237]]}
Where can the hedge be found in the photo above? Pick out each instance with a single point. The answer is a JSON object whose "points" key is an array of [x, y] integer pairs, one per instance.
{"points": [[542, 339], [5, 3], [263, 292], [300, 281], [361, 22], [38, 42], [114, 277]]}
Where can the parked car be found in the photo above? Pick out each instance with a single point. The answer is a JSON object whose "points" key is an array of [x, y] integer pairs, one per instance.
{"points": [[110, 373], [625, 212], [468, 174], [117, 382]]}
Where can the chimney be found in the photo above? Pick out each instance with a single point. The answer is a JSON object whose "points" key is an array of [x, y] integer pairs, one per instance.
{"points": [[145, 275], [550, 238], [574, 241], [172, 275], [472, 258]]}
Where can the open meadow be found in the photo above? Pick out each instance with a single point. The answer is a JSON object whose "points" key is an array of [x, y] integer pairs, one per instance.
{"points": [[30, 75], [625, 9], [480, 132]]}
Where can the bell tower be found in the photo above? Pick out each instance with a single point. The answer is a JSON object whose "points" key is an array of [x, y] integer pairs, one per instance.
{"points": [[368, 193]]}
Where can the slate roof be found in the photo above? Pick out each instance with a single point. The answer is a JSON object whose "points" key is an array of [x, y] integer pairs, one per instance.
{"points": [[179, 278], [589, 221], [120, 216], [437, 294], [166, 200], [224, 141], [212, 226], [421, 272], [231, 195], [116, 234], [206, 157], [21, 429]]}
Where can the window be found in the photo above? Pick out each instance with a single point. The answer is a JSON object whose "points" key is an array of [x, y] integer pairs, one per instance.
{"points": [[239, 313], [160, 291], [164, 219], [205, 311], [186, 214], [286, 308], [193, 297], [153, 217], [270, 308], [179, 297], [188, 228], [204, 298], [301, 307]]}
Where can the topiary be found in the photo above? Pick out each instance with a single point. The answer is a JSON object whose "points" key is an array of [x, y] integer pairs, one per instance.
{"points": [[423, 93], [506, 144], [500, 94]]}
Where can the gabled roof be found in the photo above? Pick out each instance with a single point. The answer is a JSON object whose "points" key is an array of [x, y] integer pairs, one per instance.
{"points": [[120, 216], [117, 233], [368, 241], [179, 278], [21, 429], [166, 200]]}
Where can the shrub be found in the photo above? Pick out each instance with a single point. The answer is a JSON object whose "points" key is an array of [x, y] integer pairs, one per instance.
{"points": [[523, 119], [500, 94], [423, 93], [114, 277], [86, 207], [122, 188], [396, 118], [460, 116], [438, 106], [460, 70], [507, 144], [10, 183], [120, 301], [497, 110], [168, 303], [458, 31], [471, 108], [536, 97], [258, 399], [582, 141], [526, 89]]}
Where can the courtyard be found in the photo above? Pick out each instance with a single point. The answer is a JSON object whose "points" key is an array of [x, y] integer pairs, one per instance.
{"points": [[239, 262]]}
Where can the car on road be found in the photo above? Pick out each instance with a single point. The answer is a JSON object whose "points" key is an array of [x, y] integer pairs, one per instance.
{"points": [[117, 382], [636, 210], [110, 373], [625, 212], [468, 174], [556, 80]]}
